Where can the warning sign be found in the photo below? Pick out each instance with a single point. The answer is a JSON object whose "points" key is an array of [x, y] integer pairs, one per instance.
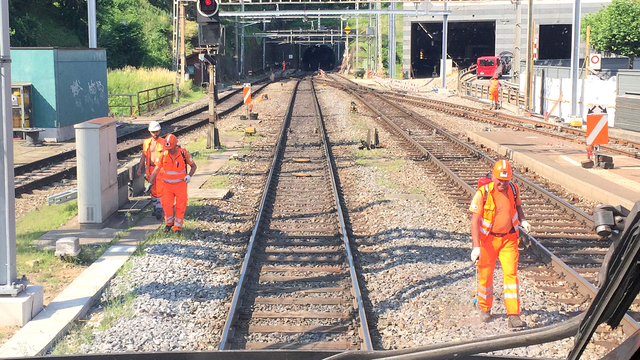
{"points": [[595, 62], [14, 100], [246, 91], [597, 126]]}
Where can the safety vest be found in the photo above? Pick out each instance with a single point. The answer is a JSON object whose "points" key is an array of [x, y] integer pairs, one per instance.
{"points": [[149, 154], [174, 170], [494, 85], [489, 208]]}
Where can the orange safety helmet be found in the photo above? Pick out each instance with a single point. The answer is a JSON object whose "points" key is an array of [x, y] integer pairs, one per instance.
{"points": [[502, 170], [171, 142]]}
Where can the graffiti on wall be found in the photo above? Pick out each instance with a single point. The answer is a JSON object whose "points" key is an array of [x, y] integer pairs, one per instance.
{"points": [[89, 100]]}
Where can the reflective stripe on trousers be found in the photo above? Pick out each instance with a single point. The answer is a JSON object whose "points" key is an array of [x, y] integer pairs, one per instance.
{"points": [[174, 194], [506, 249]]}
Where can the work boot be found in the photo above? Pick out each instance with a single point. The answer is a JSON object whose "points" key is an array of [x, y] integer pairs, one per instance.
{"points": [[515, 322], [159, 214], [167, 228], [484, 316]]}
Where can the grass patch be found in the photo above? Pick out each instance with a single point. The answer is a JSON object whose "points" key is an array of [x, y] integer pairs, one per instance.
{"points": [[360, 125], [376, 158], [200, 146], [216, 182], [130, 80], [33, 225]]}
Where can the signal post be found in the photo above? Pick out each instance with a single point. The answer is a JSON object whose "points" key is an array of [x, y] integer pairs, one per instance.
{"points": [[209, 36]]}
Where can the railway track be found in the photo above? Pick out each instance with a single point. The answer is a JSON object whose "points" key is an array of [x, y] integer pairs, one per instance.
{"points": [[618, 146], [562, 239], [44, 172], [298, 287]]}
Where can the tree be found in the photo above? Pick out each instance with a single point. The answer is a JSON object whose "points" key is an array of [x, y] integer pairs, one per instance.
{"points": [[616, 28]]}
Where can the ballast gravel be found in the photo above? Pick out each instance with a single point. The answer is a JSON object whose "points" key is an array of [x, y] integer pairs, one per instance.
{"points": [[411, 246]]}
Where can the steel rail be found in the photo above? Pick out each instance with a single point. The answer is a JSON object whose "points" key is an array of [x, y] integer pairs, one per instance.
{"points": [[228, 331], [630, 326], [70, 154], [70, 171], [364, 325], [493, 117]]}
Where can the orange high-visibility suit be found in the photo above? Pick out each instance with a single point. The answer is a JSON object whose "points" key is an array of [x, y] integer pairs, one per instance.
{"points": [[173, 172], [152, 150], [494, 86], [498, 240]]}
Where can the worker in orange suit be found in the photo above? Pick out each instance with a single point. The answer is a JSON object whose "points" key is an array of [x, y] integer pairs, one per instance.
{"points": [[152, 149], [172, 168], [494, 92], [284, 65], [497, 212]]}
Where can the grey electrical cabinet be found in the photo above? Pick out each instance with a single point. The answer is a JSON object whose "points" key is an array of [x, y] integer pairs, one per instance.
{"points": [[96, 149]]}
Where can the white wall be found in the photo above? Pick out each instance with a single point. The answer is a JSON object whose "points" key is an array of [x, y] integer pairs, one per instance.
{"points": [[593, 91]]}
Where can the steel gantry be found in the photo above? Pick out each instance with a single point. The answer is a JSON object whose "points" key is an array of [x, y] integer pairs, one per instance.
{"points": [[257, 11]]}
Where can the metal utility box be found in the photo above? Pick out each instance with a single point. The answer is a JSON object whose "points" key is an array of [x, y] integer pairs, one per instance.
{"points": [[69, 86], [21, 105], [97, 171]]}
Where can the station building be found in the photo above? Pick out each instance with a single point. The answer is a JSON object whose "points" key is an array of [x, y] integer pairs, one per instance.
{"points": [[487, 28]]}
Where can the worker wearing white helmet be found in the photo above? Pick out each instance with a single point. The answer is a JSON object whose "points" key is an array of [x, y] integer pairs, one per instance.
{"points": [[152, 149]]}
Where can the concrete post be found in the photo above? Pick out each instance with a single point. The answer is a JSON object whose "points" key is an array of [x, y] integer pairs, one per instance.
{"points": [[183, 50], [392, 42], [527, 94], [517, 42], [213, 139], [355, 62], [575, 58], [445, 38]]}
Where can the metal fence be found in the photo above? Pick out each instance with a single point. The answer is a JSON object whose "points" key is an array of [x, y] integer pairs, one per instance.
{"points": [[509, 92], [154, 98], [122, 104], [145, 101]]}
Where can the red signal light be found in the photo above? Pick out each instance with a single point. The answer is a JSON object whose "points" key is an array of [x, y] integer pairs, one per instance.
{"points": [[207, 2]]}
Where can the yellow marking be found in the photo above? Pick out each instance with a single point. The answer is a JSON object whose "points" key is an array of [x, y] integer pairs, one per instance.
{"points": [[301, 175], [301, 160]]}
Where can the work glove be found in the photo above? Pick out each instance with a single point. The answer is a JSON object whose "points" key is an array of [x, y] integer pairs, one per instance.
{"points": [[187, 179], [525, 226], [148, 188], [475, 254]]}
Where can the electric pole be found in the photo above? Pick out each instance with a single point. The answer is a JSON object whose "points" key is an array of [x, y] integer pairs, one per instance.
{"points": [[517, 42]]}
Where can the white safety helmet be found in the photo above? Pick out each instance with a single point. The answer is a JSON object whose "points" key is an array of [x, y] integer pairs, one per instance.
{"points": [[154, 126]]}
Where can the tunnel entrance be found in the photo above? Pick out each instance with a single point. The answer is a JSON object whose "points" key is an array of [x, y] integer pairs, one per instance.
{"points": [[318, 57], [467, 41], [555, 42]]}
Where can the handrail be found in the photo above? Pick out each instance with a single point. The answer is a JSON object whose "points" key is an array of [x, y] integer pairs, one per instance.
{"points": [[163, 96]]}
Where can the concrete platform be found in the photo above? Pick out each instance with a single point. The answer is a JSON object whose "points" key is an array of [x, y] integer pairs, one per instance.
{"points": [[560, 162]]}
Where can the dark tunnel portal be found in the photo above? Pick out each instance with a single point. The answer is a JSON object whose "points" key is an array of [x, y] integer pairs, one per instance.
{"points": [[555, 42], [467, 41], [318, 57]]}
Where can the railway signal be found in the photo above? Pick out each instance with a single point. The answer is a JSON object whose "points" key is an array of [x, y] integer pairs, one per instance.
{"points": [[208, 19], [207, 11]]}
